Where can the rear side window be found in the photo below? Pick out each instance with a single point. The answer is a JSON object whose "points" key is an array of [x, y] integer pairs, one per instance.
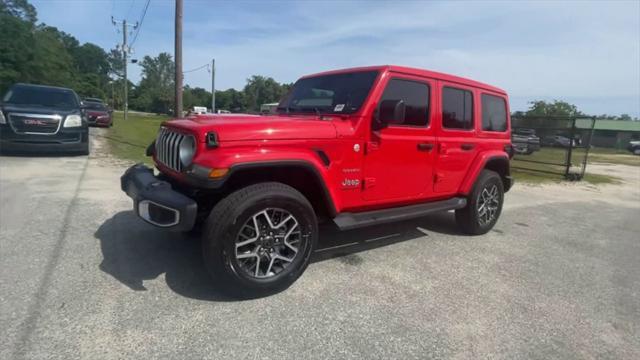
{"points": [[494, 113], [415, 96], [457, 108]]}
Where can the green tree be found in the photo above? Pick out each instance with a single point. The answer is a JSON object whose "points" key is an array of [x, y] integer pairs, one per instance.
{"points": [[196, 97], [261, 90], [17, 53], [20, 9], [116, 65], [52, 64], [231, 100], [156, 90], [555, 108]]}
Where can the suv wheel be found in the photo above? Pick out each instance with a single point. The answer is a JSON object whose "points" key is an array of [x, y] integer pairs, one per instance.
{"points": [[259, 239], [484, 204]]}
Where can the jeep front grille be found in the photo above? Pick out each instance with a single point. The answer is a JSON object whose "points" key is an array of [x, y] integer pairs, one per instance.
{"points": [[168, 148]]}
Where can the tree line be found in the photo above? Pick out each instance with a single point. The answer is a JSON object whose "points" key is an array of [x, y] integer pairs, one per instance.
{"points": [[558, 108], [37, 53]]}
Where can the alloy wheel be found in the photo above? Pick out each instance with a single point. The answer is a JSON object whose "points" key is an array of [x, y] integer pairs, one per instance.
{"points": [[268, 243], [488, 204]]}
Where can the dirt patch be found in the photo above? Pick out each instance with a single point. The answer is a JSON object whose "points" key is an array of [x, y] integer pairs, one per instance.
{"points": [[625, 192], [101, 151]]}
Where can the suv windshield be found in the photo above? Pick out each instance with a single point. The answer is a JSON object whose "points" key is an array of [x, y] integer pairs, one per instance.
{"points": [[41, 96], [338, 93]]}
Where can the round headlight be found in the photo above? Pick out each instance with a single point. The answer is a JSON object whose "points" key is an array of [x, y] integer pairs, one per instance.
{"points": [[187, 149]]}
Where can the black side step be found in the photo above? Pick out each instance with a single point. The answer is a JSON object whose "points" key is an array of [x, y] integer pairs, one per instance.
{"points": [[347, 221]]}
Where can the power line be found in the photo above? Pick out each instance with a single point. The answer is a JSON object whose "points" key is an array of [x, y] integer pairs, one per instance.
{"points": [[144, 13], [198, 68], [126, 49]]}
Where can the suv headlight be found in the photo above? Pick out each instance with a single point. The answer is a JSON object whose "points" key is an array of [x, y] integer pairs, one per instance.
{"points": [[3, 120], [186, 150], [73, 121]]}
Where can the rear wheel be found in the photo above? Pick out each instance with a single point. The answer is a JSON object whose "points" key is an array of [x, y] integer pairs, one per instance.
{"points": [[259, 239], [484, 204]]}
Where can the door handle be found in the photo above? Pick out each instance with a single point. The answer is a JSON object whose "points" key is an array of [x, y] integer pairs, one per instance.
{"points": [[425, 147], [467, 147]]}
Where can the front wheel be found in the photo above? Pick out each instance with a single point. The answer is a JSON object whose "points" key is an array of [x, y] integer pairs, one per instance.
{"points": [[484, 204], [259, 240]]}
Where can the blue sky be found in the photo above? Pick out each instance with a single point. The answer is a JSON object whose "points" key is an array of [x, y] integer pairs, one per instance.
{"points": [[587, 53]]}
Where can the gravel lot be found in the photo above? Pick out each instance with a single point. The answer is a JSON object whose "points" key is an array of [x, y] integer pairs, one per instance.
{"points": [[559, 277]]}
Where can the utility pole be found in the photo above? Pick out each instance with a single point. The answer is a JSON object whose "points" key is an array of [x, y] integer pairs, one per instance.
{"points": [[213, 86], [125, 56], [124, 63], [178, 56]]}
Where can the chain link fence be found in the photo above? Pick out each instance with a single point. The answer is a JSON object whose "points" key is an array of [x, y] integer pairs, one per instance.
{"points": [[552, 145]]}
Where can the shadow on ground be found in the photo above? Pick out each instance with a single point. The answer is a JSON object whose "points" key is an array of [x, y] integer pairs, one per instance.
{"points": [[134, 251]]}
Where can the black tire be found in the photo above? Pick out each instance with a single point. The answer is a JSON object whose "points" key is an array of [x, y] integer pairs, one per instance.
{"points": [[468, 218], [228, 218]]}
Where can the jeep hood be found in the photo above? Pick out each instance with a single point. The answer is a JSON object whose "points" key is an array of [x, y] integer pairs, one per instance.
{"points": [[244, 127]]}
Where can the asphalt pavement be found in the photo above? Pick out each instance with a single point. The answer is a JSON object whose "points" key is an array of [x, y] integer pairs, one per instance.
{"points": [[82, 277]]}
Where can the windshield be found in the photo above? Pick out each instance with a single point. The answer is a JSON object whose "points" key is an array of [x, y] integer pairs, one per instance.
{"points": [[94, 106], [41, 96], [339, 93]]}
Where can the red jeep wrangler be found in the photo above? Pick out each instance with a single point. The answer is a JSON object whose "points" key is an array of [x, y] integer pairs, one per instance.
{"points": [[359, 146]]}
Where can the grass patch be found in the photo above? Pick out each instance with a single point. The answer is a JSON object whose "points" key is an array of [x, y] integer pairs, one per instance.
{"points": [[529, 168], [129, 139], [533, 177], [612, 156]]}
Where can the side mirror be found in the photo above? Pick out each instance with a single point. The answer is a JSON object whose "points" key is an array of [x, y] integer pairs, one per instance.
{"points": [[389, 112]]}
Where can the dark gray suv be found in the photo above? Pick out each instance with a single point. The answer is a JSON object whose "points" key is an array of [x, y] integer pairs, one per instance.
{"points": [[44, 119]]}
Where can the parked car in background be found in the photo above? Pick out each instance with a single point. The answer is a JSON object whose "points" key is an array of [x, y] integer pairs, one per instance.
{"points": [[199, 110], [525, 141], [97, 113], [96, 100], [268, 108], [37, 118], [558, 141], [634, 147]]}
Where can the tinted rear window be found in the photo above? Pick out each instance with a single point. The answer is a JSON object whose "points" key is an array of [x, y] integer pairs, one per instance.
{"points": [[42, 96], [457, 108], [494, 113]]}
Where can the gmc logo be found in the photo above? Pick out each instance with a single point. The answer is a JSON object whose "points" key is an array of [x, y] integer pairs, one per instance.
{"points": [[34, 122]]}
